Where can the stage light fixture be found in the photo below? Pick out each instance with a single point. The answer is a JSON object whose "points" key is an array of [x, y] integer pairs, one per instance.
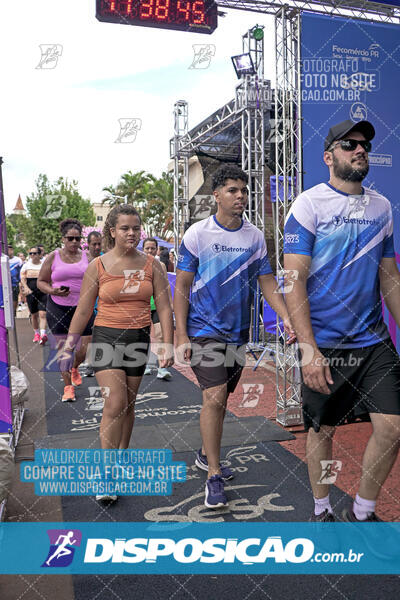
{"points": [[257, 33], [243, 65]]}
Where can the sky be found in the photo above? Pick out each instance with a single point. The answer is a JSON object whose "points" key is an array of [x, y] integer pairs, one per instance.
{"points": [[64, 121]]}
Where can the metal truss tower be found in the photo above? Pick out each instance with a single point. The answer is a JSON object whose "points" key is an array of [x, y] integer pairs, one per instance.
{"points": [[181, 171], [288, 171], [253, 99], [253, 96]]}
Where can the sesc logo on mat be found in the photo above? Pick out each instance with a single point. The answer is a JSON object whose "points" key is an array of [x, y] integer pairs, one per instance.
{"points": [[61, 551]]}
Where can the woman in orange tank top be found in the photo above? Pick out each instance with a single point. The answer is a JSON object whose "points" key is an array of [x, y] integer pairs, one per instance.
{"points": [[124, 279]]}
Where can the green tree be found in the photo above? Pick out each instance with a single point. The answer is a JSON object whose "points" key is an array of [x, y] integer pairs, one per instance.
{"points": [[17, 228], [132, 186], [49, 205], [152, 197], [11, 231], [159, 213]]}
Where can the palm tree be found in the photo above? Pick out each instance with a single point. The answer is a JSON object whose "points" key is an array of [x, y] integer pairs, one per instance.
{"points": [[160, 204], [112, 196], [132, 186], [135, 186], [153, 198]]}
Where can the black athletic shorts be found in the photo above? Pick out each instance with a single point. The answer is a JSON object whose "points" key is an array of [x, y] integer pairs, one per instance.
{"points": [[59, 318], [154, 317], [124, 349], [36, 300], [366, 380], [215, 363], [15, 292]]}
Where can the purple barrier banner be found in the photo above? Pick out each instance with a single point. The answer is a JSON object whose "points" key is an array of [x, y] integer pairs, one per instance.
{"points": [[6, 419], [5, 399], [172, 281]]}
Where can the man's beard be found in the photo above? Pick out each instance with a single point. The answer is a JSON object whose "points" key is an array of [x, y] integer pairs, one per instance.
{"points": [[347, 172]]}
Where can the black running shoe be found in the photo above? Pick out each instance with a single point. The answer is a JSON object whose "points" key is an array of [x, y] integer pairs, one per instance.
{"points": [[373, 539], [348, 515], [326, 537], [324, 517]]}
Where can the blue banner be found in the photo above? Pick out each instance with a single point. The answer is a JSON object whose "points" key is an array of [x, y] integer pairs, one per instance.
{"points": [[86, 472], [282, 548], [351, 70]]}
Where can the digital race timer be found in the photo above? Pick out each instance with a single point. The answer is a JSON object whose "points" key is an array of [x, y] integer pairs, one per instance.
{"points": [[198, 16]]}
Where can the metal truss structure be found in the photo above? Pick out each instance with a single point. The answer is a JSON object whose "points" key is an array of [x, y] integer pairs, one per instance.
{"points": [[181, 171], [288, 171], [354, 9], [246, 111], [250, 116]]}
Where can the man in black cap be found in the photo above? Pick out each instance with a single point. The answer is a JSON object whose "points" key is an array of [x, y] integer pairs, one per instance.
{"points": [[339, 238]]}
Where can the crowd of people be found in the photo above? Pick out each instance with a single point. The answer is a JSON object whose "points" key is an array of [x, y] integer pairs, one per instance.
{"points": [[24, 274], [112, 294], [90, 303]]}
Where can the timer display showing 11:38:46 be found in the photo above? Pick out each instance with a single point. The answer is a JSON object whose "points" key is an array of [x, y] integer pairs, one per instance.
{"points": [[197, 16]]}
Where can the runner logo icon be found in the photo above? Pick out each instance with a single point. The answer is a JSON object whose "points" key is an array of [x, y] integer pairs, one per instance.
{"points": [[329, 471], [61, 551]]}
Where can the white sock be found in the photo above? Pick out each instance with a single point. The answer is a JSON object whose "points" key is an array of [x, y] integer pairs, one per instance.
{"points": [[321, 504], [42, 332], [362, 508], [36, 331]]}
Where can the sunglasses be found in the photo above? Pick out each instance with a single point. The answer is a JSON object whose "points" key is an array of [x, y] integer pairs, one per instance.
{"points": [[33, 253], [350, 145], [73, 238]]}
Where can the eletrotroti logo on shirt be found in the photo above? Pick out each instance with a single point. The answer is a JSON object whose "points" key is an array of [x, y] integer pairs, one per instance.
{"points": [[217, 248], [337, 220]]}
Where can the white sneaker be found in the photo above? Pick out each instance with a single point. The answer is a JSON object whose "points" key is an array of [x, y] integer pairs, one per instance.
{"points": [[147, 371], [106, 498], [163, 374]]}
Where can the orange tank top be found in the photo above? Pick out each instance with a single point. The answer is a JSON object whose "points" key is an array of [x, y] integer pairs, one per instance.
{"points": [[124, 300]]}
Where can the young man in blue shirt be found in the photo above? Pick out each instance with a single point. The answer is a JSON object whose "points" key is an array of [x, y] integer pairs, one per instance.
{"points": [[221, 260]]}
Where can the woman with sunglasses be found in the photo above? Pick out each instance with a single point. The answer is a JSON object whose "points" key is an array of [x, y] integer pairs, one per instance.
{"points": [[61, 278], [124, 279], [35, 298]]}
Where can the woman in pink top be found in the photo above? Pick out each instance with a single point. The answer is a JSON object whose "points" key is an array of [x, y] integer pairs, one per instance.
{"points": [[61, 278]]}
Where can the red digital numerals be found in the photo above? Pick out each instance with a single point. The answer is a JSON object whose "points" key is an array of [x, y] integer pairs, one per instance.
{"points": [[198, 12], [190, 12], [155, 9], [181, 11]]}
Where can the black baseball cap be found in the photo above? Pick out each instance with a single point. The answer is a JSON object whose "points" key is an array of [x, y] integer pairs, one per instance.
{"points": [[337, 132]]}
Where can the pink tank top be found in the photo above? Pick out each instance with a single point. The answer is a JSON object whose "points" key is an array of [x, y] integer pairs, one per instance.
{"points": [[68, 274]]}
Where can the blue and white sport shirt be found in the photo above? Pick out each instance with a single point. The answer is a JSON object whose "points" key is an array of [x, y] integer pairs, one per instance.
{"points": [[347, 237], [227, 264]]}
